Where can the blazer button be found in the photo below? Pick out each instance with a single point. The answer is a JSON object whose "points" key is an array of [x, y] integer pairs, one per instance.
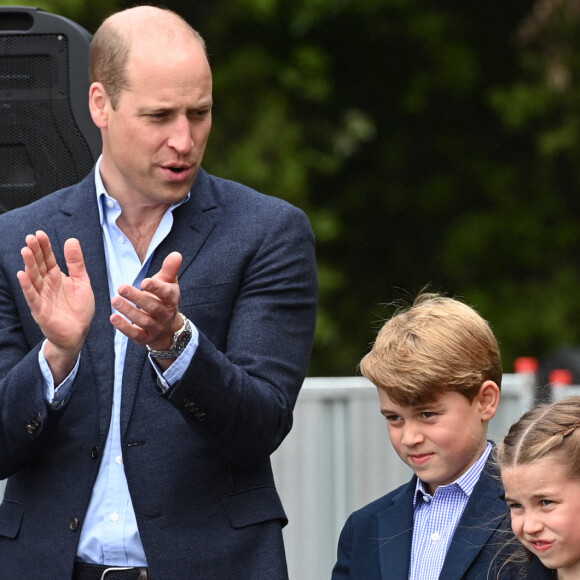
{"points": [[74, 524], [35, 423], [199, 415], [189, 405], [95, 452]]}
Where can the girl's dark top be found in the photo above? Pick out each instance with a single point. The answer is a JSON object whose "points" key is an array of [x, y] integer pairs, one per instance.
{"points": [[537, 571]]}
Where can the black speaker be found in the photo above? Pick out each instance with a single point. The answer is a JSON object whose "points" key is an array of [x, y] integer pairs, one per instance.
{"points": [[47, 137]]}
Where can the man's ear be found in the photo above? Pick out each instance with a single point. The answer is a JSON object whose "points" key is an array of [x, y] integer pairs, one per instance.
{"points": [[488, 399], [99, 105]]}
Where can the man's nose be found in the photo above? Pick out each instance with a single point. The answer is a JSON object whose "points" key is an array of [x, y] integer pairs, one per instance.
{"points": [[181, 138]]}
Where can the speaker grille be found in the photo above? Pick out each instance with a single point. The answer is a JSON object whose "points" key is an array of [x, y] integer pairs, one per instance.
{"points": [[41, 147]]}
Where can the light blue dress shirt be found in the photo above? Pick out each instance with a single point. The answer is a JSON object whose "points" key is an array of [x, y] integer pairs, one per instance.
{"points": [[109, 533], [435, 520]]}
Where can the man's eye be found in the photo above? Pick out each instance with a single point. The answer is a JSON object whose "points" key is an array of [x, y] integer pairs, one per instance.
{"points": [[201, 113]]}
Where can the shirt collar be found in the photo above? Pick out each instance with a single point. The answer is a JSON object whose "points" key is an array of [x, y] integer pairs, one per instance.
{"points": [[465, 482], [103, 197]]}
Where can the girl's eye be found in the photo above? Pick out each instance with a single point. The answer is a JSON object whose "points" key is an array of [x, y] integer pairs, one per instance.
{"points": [[514, 506]]}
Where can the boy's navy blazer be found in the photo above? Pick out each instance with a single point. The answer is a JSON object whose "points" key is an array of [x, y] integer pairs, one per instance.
{"points": [[375, 543], [197, 460]]}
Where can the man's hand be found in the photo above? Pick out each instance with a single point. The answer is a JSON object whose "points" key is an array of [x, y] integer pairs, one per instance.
{"points": [[62, 306], [151, 315]]}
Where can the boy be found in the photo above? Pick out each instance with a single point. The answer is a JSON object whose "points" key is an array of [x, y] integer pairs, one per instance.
{"points": [[438, 371]]}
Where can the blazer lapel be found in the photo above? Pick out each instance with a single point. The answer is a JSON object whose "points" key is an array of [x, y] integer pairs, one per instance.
{"points": [[483, 515], [192, 224], [80, 219], [395, 527]]}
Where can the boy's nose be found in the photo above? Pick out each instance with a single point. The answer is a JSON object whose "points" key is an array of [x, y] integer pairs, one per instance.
{"points": [[411, 436]]}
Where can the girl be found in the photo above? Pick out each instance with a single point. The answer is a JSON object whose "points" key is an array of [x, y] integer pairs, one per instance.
{"points": [[540, 469]]}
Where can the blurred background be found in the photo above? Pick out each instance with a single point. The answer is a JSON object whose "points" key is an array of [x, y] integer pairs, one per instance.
{"points": [[430, 143]]}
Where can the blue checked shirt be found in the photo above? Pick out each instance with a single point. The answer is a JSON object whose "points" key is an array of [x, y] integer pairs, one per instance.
{"points": [[109, 533], [436, 518]]}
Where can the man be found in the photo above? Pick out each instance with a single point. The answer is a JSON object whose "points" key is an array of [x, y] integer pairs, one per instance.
{"points": [[153, 347]]}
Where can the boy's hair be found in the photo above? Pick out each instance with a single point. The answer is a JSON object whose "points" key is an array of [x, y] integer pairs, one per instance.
{"points": [[546, 431], [437, 345]]}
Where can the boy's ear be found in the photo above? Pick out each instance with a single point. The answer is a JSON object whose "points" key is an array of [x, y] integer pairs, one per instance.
{"points": [[488, 399]]}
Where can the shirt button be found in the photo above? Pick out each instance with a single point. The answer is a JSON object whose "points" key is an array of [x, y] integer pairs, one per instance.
{"points": [[119, 460], [435, 536], [111, 203], [426, 498], [114, 517], [121, 240]]}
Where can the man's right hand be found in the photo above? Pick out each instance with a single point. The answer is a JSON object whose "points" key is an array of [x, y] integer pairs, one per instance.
{"points": [[62, 306]]}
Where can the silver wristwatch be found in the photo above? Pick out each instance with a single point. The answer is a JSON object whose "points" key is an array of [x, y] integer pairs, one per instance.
{"points": [[180, 340]]}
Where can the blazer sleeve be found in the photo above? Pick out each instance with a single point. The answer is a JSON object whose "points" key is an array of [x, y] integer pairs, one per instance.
{"points": [[241, 394], [24, 414], [341, 570]]}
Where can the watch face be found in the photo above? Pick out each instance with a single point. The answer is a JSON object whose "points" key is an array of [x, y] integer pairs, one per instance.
{"points": [[183, 339]]}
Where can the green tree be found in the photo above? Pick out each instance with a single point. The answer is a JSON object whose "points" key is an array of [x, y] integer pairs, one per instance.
{"points": [[429, 142]]}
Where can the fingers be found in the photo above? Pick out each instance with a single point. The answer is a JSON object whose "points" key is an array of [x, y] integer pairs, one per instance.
{"points": [[38, 259], [41, 248], [149, 315], [143, 317]]}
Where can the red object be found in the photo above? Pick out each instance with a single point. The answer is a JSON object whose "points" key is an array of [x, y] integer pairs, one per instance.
{"points": [[561, 377], [526, 364]]}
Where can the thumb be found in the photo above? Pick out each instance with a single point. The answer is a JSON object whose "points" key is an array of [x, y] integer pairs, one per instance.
{"points": [[170, 268], [74, 259]]}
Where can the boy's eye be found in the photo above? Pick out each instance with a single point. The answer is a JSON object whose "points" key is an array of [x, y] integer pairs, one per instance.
{"points": [[428, 414], [392, 418], [546, 502]]}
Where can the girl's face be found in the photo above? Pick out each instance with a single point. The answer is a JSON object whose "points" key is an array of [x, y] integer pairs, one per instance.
{"points": [[544, 502]]}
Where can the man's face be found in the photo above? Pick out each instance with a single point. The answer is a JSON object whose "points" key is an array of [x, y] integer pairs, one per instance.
{"points": [[440, 441], [153, 143]]}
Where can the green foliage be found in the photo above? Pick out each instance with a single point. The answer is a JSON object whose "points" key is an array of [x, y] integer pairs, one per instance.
{"points": [[429, 142]]}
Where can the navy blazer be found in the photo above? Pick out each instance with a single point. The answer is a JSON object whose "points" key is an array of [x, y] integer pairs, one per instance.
{"points": [[197, 459], [375, 543]]}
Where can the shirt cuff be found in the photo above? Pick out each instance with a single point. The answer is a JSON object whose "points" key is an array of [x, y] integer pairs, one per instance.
{"points": [[58, 396]]}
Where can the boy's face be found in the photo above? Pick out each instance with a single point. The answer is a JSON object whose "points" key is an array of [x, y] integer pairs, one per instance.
{"points": [[440, 441]]}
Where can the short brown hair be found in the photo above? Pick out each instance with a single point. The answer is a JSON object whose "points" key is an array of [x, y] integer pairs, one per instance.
{"points": [[112, 41], [437, 345], [547, 431]]}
